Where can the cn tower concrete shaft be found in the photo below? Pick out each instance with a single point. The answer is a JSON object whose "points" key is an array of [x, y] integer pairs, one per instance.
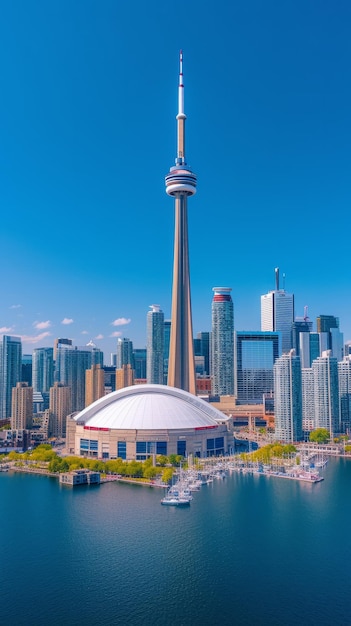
{"points": [[181, 183]]}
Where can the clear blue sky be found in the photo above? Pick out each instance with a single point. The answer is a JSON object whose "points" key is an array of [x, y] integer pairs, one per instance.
{"points": [[88, 131]]}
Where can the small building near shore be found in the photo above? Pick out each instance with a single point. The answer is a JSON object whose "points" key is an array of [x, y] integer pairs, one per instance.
{"points": [[80, 477]]}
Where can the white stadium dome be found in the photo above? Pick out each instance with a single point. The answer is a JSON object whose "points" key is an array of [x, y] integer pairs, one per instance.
{"points": [[149, 407]]}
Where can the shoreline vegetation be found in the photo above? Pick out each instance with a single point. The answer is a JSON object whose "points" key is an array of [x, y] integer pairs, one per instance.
{"points": [[156, 471], [44, 460]]}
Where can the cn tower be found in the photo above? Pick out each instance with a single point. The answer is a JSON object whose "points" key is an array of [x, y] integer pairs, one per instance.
{"points": [[181, 183]]}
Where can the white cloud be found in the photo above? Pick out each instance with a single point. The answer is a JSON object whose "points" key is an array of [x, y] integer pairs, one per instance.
{"points": [[6, 329], [121, 321], [36, 338], [15, 306], [84, 332], [116, 334], [42, 325], [67, 320], [99, 336]]}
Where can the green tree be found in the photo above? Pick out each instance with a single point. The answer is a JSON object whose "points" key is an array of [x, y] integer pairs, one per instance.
{"points": [[162, 460], [167, 475], [320, 435], [150, 472]]}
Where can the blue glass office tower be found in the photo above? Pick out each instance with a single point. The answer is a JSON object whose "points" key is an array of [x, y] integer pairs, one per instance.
{"points": [[10, 371]]}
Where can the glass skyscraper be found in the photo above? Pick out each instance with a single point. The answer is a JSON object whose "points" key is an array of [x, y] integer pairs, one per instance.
{"points": [[10, 371], [43, 369], [255, 353], [155, 345], [277, 313], [72, 363], [222, 342]]}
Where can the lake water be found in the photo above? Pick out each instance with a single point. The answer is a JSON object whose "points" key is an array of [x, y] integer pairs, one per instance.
{"points": [[249, 550]]}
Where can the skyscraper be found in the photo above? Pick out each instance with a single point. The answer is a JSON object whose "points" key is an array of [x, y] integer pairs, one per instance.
{"points": [[94, 384], [155, 345], [124, 353], [222, 342], [202, 343], [43, 369], [308, 410], [288, 398], [344, 373], [10, 371], [277, 313], [181, 183], [167, 339], [255, 353], [140, 358], [59, 408], [124, 377], [72, 364], [326, 393], [61, 342], [21, 407]]}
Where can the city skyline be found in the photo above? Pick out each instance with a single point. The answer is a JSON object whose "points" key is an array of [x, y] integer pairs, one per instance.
{"points": [[268, 137]]}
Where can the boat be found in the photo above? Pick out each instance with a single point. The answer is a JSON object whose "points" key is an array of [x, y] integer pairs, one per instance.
{"points": [[171, 500]]}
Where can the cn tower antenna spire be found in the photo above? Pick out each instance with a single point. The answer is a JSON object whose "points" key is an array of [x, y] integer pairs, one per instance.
{"points": [[181, 117], [181, 86]]}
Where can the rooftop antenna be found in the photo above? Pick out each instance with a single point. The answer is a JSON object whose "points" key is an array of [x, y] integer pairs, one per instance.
{"points": [[276, 278], [283, 282], [305, 313]]}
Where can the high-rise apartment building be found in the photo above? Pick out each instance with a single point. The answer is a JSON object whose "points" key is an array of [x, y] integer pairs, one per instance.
{"points": [[155, 345], [255, 353], [277, 313], [124, 377], [59, 409], [22, 407], [326, 393], [43, 369], [94, 384], [124, 352], [222, 342], [308, 409], [10, 371], [344, 377], [181, 183], [288, 398], [62, 341]]}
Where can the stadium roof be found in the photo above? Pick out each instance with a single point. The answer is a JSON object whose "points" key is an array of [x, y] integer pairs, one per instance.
{"points": [[149, 407]]}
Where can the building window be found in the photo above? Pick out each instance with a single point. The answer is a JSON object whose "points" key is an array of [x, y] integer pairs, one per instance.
{"points": [[161, 447], [181, 447], [122, 450], [89, 447], [141, 447], [144, 449], [215, 447]]}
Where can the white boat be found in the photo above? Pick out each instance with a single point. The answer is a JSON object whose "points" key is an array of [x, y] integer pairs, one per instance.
{"points": [[171, 500]]}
